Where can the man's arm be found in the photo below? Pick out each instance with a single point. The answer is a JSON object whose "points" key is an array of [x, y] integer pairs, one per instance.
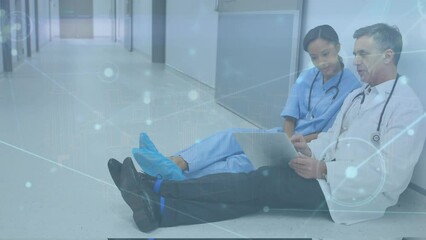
{"points": [[309, 168]]}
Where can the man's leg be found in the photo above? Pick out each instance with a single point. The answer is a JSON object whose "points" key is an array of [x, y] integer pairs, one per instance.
{"points": [[226, 196], [277, 187], [183, 212], [151, 210], [216, 197]]}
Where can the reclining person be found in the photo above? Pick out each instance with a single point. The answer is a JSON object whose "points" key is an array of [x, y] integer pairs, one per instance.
{"points": [[355, 170]]}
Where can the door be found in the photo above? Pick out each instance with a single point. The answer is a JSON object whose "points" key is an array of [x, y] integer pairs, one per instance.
{"points": [[257, 52], [76, 18]]}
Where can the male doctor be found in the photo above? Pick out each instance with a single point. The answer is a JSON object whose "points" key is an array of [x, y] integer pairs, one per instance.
{"points": [[356, 170]]}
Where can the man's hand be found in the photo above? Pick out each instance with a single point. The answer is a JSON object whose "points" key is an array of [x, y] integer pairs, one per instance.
{"points": [[309, 168], [300, 144]]}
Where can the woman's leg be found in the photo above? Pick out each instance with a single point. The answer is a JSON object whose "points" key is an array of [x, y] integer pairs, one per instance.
{"points": [[232, 164], [208, 156], [216, 148]]}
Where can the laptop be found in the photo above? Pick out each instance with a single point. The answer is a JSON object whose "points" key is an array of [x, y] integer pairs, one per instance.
{"points": [[265, 148]]}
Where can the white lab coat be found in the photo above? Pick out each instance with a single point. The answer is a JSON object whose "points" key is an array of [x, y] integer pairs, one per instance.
{"points": [[366, 178]]}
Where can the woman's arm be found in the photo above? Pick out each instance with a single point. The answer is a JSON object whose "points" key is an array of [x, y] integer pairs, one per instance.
{"points": [[311, 137], [289, 125]]}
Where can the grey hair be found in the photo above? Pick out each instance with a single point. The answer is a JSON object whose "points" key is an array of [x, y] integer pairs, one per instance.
{"points": [[386, 37]]}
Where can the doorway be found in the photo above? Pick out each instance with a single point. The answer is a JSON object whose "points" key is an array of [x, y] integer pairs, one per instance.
{"points": [[76, 18]]}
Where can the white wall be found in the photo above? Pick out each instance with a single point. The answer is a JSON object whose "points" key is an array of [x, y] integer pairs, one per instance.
{"points": [[347, 16], [43, 22], [191, 38], [142, 26], [102, 18], [55, 18], [120, 19]]}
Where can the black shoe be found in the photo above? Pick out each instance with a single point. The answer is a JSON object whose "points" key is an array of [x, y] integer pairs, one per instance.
{"points": [[140, 198], [114, 168]]}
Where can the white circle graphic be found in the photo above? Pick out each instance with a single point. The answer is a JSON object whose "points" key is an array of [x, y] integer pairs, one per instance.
{"points": [[355, 172]]}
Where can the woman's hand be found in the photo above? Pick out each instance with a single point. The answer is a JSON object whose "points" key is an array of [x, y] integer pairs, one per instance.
{"points": [[300, 144]]}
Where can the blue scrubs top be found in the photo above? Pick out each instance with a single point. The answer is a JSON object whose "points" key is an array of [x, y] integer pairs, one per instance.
{"points": [[323, 109]]}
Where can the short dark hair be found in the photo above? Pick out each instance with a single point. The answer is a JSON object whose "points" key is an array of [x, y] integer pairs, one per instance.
{"points": [[386, 37], [325, 32]]}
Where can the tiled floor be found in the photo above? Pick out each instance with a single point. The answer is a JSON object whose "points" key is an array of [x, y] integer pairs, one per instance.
{"points": [[68, 109]]}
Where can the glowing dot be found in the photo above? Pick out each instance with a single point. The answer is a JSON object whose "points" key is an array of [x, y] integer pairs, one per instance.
{"points": [[148, 122], [354, 199], [147, 97], [14, 52], [192, 51], [361, 190], [53, 169], [17, 27], [266, 209], [265, 173], [108, 72], [410, 132], [193, 95], [378, 169], [97, 126], [351, 172], [197, 141], [28, 184], [403, 80], [348, 145], [147, 73]]}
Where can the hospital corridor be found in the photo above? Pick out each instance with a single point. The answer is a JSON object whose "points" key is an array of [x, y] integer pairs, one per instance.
{"points": [[170, 68]]}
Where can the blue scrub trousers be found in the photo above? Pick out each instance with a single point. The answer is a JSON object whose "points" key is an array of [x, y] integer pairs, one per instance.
{"points": [[219, 153]]}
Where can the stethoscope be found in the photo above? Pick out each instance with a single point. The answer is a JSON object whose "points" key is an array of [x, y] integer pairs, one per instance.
{"points": [[375, 137], [310, 116]]}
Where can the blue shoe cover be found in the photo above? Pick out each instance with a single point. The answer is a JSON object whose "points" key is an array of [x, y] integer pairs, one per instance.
{"points": [[145, 142], [155, 164]]}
